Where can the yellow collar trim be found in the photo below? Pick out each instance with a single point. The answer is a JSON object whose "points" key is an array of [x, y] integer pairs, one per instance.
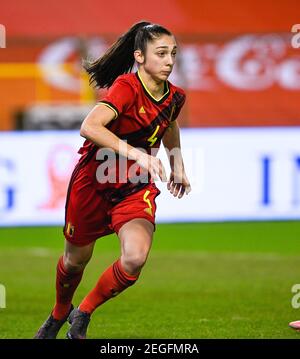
{"points": [[145, 87]]}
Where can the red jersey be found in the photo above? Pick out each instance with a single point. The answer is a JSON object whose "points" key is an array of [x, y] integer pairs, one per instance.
{"points": [[140, 119]]}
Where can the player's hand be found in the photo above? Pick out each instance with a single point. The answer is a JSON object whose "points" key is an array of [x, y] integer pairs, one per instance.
{"points": [[153, 165], [179, 184]]}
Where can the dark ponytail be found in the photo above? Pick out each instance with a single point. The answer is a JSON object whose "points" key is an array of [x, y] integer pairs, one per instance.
{"points": [[119, 58]]}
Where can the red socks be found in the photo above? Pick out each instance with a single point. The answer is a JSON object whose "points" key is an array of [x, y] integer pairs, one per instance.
{"points": [[66, 284], [112, 282]]}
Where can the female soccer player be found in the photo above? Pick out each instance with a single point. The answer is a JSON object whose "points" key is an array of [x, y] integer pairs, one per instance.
{"points": [[110, 190]]}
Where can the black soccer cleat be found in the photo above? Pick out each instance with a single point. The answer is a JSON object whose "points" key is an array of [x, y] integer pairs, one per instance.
{"points": [[51, 327], [79, 323]]}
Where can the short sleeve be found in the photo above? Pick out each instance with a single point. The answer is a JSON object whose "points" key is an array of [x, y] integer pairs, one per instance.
{"points": [[180, 100], [119, 96]]}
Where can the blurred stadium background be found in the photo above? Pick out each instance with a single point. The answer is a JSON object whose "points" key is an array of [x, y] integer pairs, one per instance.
{"points": [[225, 258]]}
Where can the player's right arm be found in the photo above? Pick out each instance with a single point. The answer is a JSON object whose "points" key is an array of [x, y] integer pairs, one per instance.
{"points": [[94, 129]]}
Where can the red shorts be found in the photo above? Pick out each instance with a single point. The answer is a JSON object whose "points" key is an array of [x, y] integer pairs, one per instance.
{"points": [[90, 214]]}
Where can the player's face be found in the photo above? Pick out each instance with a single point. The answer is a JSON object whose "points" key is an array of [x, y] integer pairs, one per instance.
{"points": [[160, 57]]}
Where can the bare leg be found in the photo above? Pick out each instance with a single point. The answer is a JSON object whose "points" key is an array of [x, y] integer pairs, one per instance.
{"points": [[76, 258], [136, 240]]}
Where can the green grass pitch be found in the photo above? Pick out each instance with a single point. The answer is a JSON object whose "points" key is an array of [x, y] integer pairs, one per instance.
{"points": [[207, 280]]}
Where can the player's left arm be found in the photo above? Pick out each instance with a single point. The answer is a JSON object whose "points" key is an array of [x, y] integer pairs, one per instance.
{"points": [[178, 183]]}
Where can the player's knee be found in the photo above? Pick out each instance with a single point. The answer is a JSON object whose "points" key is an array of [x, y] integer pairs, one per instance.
{"points": [[133, 263], [73, 265]]}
